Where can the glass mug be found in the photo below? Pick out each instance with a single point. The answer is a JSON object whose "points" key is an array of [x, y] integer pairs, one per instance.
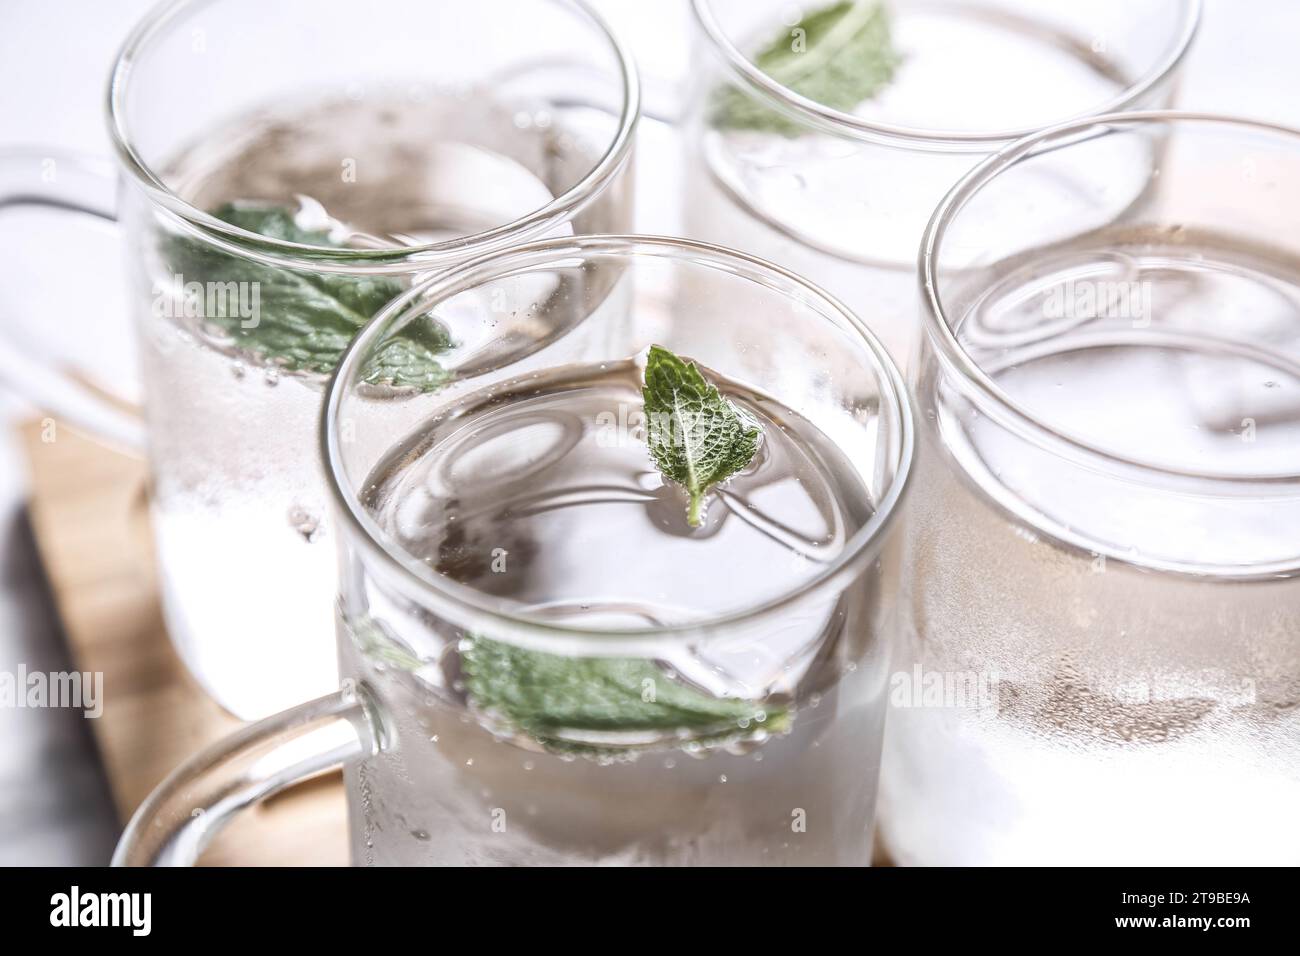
{"points": [[279, 185], [843, 197], [780, 605], [1102, 544]]}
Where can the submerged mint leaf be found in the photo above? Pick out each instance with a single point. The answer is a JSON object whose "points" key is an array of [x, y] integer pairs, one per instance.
{"points": [[838, 56], [374, 641], [274, 222], [696, 437], [550, 696], [302, 321]]}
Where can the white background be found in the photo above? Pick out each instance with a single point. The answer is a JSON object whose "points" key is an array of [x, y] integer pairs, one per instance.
{"points": [[54, 60]]}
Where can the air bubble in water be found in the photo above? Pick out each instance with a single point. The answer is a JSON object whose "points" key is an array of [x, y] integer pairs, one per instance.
{"points": [[304, 522]]}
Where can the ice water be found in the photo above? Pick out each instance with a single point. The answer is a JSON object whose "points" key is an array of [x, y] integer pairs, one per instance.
{"points": [[245, 555], [529, 495], [1139, 636], [849, 215]]}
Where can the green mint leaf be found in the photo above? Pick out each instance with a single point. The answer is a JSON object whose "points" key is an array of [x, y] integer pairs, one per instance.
{"points": [[696, 437], [838, 56], [553, 697], [374, 641], [305, 320]]}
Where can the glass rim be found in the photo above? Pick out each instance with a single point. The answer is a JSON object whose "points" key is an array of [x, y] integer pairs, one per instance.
{"points": [[560, 209], [846, 565], [957, 362], [849, 125]]}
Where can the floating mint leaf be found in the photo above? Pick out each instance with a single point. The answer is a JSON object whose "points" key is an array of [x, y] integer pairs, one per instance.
{"points": [[838, 56], [305, 320], [550, 696], [696, 437]]}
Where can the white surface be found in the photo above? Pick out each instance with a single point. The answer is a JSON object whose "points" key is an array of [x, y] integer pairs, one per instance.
{"points": [[54, 60]]}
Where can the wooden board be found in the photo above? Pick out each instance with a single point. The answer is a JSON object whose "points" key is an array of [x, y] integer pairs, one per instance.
{"points": [[89, 512]]}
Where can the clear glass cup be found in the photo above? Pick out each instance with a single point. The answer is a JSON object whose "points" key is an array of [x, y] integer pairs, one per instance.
{"points": [[688, 697], [279, 185], [1101, 664], [843, 197]]}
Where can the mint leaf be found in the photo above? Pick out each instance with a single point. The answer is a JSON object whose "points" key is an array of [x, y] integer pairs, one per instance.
{"points": [[696, 437], [305, 320], [551, 696], [838, 56], [373, 640]]}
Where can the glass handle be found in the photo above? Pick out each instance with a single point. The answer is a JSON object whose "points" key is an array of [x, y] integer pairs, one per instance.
{"points": [[182, 815], [65, 183]]}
